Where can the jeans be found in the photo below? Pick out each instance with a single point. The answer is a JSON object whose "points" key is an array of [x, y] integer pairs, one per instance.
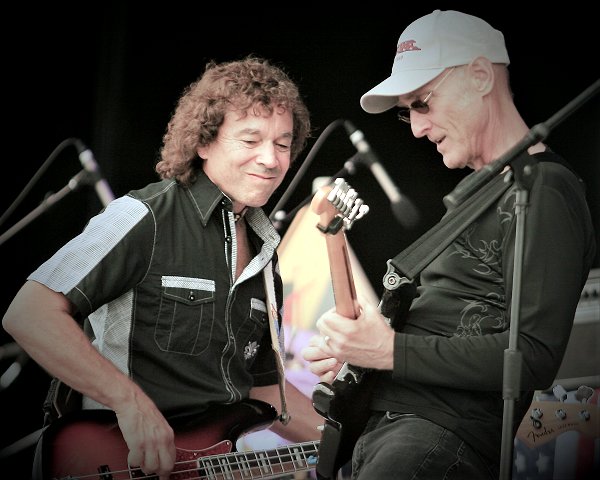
{"points": [[407, 447]]}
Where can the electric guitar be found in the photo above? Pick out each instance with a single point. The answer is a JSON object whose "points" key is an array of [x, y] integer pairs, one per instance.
{"points": [[338, 208], [88, 445]]}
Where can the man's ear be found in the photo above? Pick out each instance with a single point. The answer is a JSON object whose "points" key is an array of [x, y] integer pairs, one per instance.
{"points": [[202, 151], [481, 75]]}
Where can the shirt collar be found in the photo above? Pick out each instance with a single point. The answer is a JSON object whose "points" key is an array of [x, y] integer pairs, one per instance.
{"points": [[209, 198]]}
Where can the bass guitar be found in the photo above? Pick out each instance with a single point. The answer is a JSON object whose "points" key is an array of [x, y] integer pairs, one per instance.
{"points": [[338, 208], [88, 444]]}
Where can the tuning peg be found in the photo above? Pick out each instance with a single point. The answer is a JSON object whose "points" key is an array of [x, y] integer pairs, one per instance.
{"points": [[560, 393], [584, 393]]}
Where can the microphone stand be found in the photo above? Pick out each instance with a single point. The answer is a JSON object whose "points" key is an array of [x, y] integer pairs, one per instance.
{"points": [[82, 178], [538, 133], [524, 170]]}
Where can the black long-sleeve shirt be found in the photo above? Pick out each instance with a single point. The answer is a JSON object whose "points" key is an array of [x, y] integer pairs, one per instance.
{"points": [[449, 356]]}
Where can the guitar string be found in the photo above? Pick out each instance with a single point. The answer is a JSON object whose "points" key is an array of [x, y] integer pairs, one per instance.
{"points": [[258, 462], [248, 461]]}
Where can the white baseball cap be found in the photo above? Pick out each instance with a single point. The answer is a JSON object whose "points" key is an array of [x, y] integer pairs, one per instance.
{"points": [[430, 44]]}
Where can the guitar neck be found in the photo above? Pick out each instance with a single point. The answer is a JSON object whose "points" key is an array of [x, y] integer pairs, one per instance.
{"points": [[257, 464], [342, 280], [332, 226]]}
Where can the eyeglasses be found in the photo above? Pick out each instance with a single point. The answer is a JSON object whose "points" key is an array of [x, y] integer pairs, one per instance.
{"points": [[421, 106]]}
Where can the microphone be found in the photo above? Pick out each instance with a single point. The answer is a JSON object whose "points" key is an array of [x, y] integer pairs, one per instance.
{"points": [[12, 350], [404, 210], [86, 157]]}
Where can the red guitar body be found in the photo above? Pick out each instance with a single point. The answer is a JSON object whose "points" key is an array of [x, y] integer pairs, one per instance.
{"points": [[88, 445]]}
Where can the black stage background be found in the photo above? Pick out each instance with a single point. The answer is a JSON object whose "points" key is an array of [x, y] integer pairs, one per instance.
{"points": [[111, 76]]}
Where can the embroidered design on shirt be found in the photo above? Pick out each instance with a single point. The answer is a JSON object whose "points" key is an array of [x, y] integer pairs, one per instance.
{"points": [[477, 318], [250, 350]]}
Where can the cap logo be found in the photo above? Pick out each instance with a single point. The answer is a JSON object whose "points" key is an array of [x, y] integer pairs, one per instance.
{"points": [[407, 46]]}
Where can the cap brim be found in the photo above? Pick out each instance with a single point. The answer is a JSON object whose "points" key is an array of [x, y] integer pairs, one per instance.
{"points": [[385, 95]]}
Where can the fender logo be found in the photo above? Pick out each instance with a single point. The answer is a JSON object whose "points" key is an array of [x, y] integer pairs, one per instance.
{"points": [[545, 432], [533, 435]]}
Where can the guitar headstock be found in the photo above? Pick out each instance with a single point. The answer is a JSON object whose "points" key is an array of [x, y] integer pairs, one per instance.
{"points": [[338, 206], [547, 420]]}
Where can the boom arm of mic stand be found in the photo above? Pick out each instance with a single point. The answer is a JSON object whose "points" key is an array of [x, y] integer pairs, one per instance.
{"points": [[538, 133], [309, 158], [483, 176], [80, 179]]}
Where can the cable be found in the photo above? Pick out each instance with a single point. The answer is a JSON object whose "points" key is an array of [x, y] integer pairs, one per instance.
{"points": [[307, 161], [60, 147]]}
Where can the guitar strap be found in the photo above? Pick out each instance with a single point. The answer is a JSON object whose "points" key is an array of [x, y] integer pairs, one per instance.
{"points": [[276, 337], [404, 267]]}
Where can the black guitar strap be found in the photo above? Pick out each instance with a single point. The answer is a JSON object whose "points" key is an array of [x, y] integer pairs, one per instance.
{"points": [[406, 266]]}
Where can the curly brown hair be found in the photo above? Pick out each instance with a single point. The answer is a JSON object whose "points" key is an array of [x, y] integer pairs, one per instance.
{"points": [[241, 85]]}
